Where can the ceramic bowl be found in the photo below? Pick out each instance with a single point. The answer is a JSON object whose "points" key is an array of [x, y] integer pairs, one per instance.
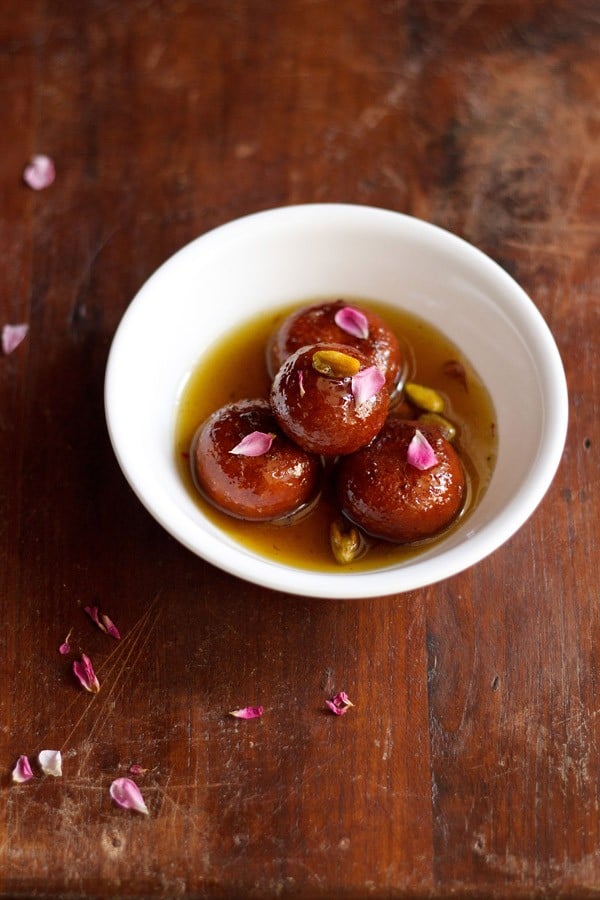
{"points": [[272, 258]]}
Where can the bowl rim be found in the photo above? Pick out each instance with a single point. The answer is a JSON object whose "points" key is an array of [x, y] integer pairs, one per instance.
{"points": [[420, 571]]}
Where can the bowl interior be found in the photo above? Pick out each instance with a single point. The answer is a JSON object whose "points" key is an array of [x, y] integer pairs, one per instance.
{"points": [[298, 253]]}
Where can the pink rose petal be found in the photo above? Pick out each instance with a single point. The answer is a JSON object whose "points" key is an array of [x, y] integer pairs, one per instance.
{"points": [[366, 384], [40, 172], [247, 712], [420, 453], [50, 762], [84, 671], [127, 795], [103, 622], [92, 612], [12, 336], [352, 321], [301, 383], [255, 444], [110, 627], [65, 647], [340, 704], [22, 771]]}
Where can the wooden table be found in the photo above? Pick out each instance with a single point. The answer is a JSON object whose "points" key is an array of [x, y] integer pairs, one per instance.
{"points": [[470, 763]]}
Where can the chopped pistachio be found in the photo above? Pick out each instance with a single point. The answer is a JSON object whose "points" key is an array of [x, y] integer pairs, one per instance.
{"points": [[346, 542], [424, 397], [447, 429], [335, 364]]}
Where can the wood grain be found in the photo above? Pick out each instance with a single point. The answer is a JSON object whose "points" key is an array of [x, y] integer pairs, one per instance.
{"points": [[470, 763]]}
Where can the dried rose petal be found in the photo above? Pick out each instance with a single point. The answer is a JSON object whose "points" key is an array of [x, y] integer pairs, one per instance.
{"points": [[103, 622], [352, 321], [127, 795], [110, 627], [50, 762], [136, 769], [22, 771], [255, 444], [65, 647], [247, 712], [92, 612], [366, 384], [12, 335], [420, 453], [40, 172], [84, 671], [340, 704]]}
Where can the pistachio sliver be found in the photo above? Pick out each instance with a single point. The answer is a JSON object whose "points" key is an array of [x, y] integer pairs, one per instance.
{"points": [[335, 364], [424, 398], [346, 542], [447, 429]]}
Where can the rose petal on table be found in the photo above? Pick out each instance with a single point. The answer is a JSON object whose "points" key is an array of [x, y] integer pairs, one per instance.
{"points": [[340, 704], [420, 453], [254, 444], [127, 795], [12, 336], [110, 627], [65, 647], [40, 172], [103, 622], [50, 762], [366, 384], [352, 321], [84, 671], [22, 771], [136, 769], [94, 615], [247, 712]]}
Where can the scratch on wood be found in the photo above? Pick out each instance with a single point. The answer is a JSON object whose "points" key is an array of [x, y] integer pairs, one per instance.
{"points": [[78, 311], [566, 251], [142, 637], [138, 631]]}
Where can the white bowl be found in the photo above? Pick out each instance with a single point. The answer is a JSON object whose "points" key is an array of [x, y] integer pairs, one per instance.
{"points": [[272, 258]]}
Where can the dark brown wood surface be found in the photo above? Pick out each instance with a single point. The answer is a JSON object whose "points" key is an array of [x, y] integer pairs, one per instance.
{"points": [[470, 764]]}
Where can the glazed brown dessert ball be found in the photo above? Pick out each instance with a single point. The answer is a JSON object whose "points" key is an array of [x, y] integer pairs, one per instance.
{"points": [[274, 484], [317, 324], [327, 413], [379, 490]]}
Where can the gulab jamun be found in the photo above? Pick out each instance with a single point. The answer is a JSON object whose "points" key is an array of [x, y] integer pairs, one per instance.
{"points": [[329, 400], [381, 491], [244, 465], [341, 323]]}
